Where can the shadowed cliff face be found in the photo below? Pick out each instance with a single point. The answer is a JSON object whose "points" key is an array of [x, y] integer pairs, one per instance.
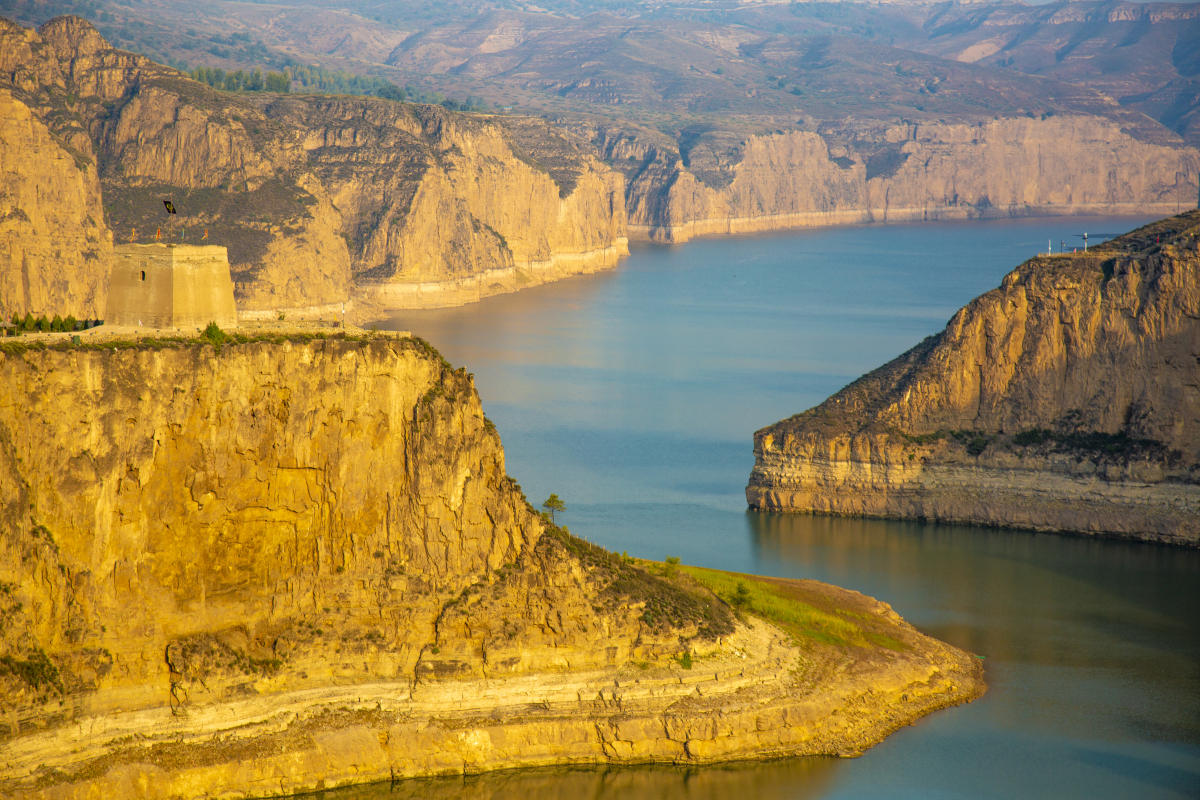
{"points": [[1068, 398], [318, 199], [842, 173]]}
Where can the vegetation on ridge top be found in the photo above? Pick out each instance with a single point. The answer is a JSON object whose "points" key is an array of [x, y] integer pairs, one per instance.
{"points": [[783, 606], [676, 596], [215, 336]]}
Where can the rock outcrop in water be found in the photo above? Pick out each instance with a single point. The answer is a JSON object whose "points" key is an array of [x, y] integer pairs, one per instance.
{"points": [[319, 199], [281, 564], [1067, 399], [882, 172]]}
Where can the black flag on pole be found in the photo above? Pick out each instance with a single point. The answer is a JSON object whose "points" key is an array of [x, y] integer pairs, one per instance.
{"points": [[170, 206]]}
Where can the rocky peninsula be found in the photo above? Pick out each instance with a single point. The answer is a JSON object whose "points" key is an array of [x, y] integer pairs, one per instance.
{"points": [[1067, 399], [273, 561]]}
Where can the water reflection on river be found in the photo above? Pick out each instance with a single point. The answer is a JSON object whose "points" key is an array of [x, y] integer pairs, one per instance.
{"points": [[633, 394], [1084, 638], [788, 779]]}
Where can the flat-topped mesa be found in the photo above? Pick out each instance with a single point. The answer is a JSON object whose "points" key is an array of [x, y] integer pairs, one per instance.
{"points": [[1067, 399], [170, 286], [284, 564]]}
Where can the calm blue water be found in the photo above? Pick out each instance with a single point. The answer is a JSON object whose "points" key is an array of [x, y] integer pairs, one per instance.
{"points": [[633, 395]]}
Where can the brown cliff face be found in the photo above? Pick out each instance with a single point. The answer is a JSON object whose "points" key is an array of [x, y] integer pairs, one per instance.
{"points": [[1067, 399], [319, 200], [440, 208], [841, 174], [183, 527], [55, 248], [295, 563]]}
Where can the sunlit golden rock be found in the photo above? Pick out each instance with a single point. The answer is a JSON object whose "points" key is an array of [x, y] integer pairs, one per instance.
{"points": [[1066, 399]]}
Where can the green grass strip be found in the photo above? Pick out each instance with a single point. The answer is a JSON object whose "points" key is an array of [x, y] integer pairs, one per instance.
{"points": [[774, 604], [17, 345]]}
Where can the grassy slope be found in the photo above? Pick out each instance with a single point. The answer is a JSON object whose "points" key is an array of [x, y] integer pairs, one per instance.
{"points": [[798, 608]]}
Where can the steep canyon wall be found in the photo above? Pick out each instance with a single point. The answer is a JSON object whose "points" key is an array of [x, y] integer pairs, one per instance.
{"points": [[285, 564], [843, 173], [1067, 399], [55, 245], [323, 200], [151, 494], [319, 200]]}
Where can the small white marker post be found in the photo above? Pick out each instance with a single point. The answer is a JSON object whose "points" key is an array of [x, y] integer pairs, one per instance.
{"points": [[343, 316]]}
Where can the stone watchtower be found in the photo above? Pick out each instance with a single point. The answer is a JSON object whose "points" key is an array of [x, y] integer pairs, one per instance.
{"points": [[170, 286]]}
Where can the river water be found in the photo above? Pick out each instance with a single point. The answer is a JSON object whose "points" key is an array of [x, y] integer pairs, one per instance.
{"points": [[633, 395]]}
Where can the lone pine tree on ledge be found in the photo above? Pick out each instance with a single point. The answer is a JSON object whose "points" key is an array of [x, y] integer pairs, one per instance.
{"points": [[554, 505]]}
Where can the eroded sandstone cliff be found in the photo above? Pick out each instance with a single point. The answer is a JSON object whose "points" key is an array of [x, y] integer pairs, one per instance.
{"points": [[848, 172], [275, 564], [55, 248], [1066, 399], [319, 199]]}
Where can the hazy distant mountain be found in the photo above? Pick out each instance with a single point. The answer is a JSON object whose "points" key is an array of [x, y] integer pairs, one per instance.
{"points": [[758, 66]]}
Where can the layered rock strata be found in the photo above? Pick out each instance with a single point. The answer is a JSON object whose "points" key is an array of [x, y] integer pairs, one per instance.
{"points": [[840, 174], [274, 565], [319, 200], [1067, 399]]}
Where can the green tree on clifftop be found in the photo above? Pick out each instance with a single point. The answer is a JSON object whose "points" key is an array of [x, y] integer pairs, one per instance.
{"points": [[554, 506]]}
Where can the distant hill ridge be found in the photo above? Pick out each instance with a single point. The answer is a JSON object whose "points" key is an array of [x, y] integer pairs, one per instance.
{"points": [[320, 199], [323, 200]]}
